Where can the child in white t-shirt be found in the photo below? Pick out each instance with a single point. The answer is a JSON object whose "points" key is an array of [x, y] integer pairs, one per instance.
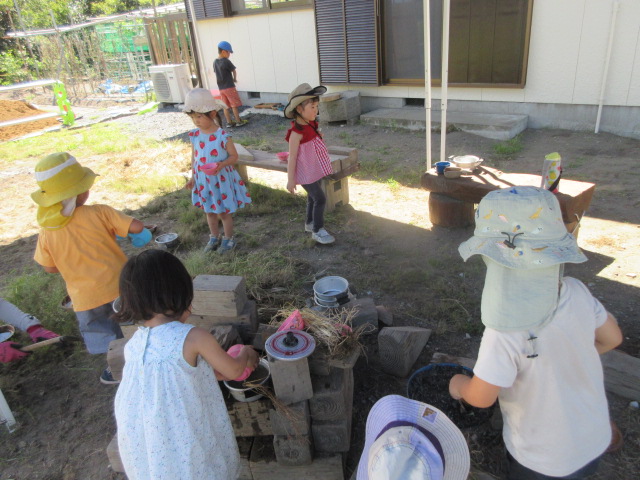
{"points": [[540, 351]]}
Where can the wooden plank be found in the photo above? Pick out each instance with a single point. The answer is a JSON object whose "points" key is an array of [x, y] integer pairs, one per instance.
{"points": [[250, 419], [244, 447], [400, 347], [218, 295], [621, 374], [32, 118], [269, 161], [153, 44], [173, 40], [248, 317], [446, 211], [185, 52], [265, 467]]}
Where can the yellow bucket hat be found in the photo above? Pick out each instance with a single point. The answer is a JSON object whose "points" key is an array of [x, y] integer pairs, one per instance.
{"points": [[60, 176]]}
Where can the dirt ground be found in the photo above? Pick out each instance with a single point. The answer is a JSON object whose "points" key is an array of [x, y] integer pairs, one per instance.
{"points": [[14, 109], [386, 247]]}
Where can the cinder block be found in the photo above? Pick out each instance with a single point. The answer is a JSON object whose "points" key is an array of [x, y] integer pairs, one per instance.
{"points": [[336, 191], [347, 107], [291, 380], [331, 399], [332, 436], [114, 455], [294, 421], [366, 313], [265, 467], [293, 450], [226, 335], [218, 295]]}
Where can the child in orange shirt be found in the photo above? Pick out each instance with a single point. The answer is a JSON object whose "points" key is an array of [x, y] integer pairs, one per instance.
{"points": [[79, 242]]}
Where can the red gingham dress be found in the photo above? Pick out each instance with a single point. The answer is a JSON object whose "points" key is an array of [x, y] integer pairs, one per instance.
{"points": [[313, 161]]}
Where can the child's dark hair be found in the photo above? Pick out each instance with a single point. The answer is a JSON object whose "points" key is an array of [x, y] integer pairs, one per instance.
{"points": [[220, 50], [213, 114], [154, 282]]}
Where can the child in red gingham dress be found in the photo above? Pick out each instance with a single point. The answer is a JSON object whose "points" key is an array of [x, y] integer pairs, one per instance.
{"points": [[309, 159]]}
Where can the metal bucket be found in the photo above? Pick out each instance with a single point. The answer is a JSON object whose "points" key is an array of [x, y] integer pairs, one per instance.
{"points": [[247, 394], [331, 289]]}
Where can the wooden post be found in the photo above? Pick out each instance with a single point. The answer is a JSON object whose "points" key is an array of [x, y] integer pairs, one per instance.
{"points": [[449, 212], [399, 348], [291, 380]]}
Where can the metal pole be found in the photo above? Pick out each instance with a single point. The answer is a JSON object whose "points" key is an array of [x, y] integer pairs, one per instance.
{"points": [[426, 6], [446, 4]]}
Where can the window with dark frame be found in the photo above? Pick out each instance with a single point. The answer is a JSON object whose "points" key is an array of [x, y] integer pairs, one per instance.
{"points": [[226, 8]]}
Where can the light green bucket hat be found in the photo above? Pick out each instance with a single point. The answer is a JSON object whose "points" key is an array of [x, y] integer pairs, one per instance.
{"points": [[524, 242]]}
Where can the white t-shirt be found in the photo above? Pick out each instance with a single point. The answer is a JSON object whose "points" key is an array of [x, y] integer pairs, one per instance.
{"points": [[556, 417]]}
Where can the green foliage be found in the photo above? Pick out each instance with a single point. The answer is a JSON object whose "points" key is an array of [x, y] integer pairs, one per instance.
{"points": [[510, 147], [94, 140], [15, 68]]}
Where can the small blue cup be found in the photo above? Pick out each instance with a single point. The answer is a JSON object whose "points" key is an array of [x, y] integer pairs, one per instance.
{"points": [[440, 166]]}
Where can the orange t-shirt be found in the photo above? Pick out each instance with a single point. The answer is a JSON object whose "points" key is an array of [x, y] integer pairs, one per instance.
{"points": [[87, 255]]}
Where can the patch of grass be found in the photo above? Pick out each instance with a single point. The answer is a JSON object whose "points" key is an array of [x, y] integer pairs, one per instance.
{"points": [[393, 184], [510, 147], [348, 140], [255, 143], [150, 184], [577, 162], [39, 294], [407, 176], [266, 200], [372, 168], [94, 140], [272, 276], [148, 110]]}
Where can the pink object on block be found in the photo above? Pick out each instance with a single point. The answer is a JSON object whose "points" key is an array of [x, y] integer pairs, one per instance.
{"points": [[209, 168], [234, 351], [293, 322], [283, 156]]}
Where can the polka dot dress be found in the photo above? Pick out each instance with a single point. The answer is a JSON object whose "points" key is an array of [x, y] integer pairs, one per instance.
{"points": [[172, 420]]}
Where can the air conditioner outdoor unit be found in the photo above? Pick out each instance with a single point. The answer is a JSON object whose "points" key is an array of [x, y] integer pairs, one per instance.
{"points": [[171, 82]]}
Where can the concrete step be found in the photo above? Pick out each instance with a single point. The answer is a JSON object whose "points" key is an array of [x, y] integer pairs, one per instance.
{"points": [[489, 125]]}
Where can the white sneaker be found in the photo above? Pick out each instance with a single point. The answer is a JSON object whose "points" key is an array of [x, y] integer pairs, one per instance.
{"points": [[308, 227], [323, 237]]}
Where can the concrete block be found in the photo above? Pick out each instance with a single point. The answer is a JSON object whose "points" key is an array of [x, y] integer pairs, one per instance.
{"points": [[332, 437], [218, 295], [265, 467], [332, 395], [347, 107], [226, 335], [293, 421], [263, 332], [366, 313], [293, 450], [385, 317], [291, 380]]}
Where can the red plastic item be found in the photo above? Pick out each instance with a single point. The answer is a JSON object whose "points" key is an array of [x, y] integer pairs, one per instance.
{"points": [[293, 321]]}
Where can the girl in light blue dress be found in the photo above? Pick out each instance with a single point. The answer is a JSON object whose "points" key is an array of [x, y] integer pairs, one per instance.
{"points": [[216, 186], [172, 420]]}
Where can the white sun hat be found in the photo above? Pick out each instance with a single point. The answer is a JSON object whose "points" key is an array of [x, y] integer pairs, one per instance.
{"points": [[411, 440], [524, 243], [201, 100]]}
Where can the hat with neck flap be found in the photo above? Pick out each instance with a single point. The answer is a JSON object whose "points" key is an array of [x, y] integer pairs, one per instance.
{"points": [[524, 243], [61, 178]]}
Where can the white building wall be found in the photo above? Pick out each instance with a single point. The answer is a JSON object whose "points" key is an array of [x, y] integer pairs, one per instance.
{"points": [[275, 52]]}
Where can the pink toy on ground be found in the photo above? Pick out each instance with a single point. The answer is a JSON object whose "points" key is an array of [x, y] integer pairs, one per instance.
{"points": [[234, 351]]}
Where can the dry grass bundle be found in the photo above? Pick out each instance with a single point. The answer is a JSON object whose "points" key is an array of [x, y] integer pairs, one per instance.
{"points": [[332, 330]]}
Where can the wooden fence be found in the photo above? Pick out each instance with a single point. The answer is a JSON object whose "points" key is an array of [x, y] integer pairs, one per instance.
{"points": [[170, 41]]}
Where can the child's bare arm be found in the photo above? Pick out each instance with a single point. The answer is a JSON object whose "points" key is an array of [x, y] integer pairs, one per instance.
{"points": [[608, 336], [191, 180], [473, 390], [136, 226], [200, 342], [294, 144], [232, 159]]}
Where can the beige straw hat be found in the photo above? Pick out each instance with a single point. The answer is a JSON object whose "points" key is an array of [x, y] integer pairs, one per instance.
{"points": [[300, 94]]}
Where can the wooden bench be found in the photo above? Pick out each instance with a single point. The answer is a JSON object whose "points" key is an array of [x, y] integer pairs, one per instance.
{"points": [[344, 162], [452, 200]]}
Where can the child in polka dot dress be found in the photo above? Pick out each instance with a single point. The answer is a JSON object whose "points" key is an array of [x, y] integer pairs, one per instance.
{"points": [[218, 190], [171, 416]]}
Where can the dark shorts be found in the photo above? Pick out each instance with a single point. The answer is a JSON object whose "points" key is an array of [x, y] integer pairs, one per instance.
{"points": [[517, 471]]}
